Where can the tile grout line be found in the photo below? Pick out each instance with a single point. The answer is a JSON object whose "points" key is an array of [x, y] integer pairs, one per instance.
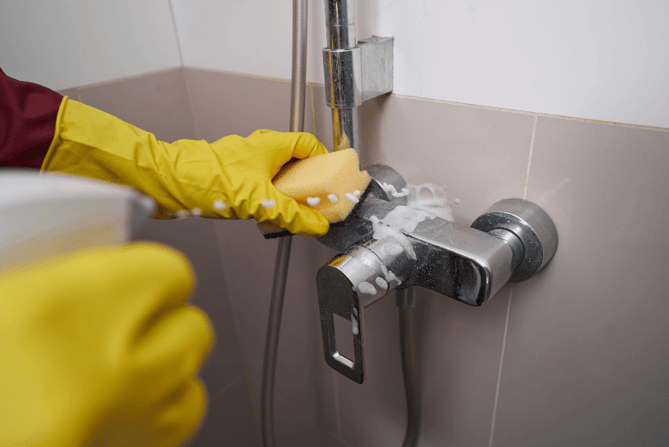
{"points": [[189, 101], [529, 159], [222, 391], [340, 431], [335, 387], [501, 364], [176, 33], [256, 420]]}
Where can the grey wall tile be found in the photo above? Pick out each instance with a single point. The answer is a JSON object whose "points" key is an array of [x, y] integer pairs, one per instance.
{"points": [[302, 378], [156, 102], [232, 104], [482, 156], [585, 360], [230, 419]]}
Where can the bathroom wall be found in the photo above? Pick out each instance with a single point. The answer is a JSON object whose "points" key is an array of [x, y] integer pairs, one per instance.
{"points": [[489, 102], [595, 59], [72, 43]]}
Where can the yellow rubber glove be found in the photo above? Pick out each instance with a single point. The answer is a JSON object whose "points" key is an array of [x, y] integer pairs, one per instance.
{"points": [[230, 178], [100, 348]]}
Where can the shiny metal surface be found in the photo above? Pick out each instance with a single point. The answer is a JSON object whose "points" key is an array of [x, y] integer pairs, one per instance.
{"points": [[340, 35], [531, 225], [354, 71], [345, 129], [355, 75], [377, 66], [340, 24], [297, 94], [464, 263], [343, 78], [381, 174]]}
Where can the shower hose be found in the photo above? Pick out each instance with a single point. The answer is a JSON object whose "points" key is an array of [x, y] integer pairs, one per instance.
{"points": [[298, 87]]}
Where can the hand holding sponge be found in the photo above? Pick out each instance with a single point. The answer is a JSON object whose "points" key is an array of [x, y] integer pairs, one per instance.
{"points": [[330, 184]]}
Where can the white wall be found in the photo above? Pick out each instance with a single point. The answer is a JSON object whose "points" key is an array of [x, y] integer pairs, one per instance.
{"points": [[597, 59], [70, 43]]}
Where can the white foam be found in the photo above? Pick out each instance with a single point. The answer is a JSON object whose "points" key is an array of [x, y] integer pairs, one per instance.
{"points": [[389, 188], [332, 198], [313, 201], [351, 197], [393, 249], [381, 282], [431, 198], [197, 212], [405, 192], [357, 193], [389, 275], [366, 288], [219, 205], [383, 231], [355, 325], [267, 203]]}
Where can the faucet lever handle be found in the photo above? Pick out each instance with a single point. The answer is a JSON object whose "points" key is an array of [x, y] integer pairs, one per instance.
{"points": [[336, 296]]}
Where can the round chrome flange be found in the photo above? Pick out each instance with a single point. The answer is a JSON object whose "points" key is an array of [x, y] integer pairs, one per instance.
{"points": [[531, 225]]}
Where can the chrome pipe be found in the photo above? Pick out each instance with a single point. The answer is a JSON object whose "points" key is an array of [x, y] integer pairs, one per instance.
{"points": [[297, 95], [298, 84], [340, 33]]}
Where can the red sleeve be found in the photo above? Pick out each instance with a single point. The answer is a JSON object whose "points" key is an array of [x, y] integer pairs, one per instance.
{"points": [[27, 122]]}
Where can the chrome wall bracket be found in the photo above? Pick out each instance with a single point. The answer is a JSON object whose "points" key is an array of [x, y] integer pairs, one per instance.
{"points": [[386, 245], [355, 75]]}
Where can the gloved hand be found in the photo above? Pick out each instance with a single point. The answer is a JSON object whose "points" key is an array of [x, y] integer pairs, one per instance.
{"points": [[230, 178], [100, 348]]}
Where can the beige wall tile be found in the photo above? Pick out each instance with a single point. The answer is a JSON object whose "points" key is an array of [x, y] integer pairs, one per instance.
{"points": [[230, 419], [302, 377], [585, 360], [156, 102], [230, 104], [583, 363], [427, 142]]}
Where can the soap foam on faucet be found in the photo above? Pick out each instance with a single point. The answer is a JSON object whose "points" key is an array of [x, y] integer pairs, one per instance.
{"points": [[393, 249], [402, 218], [381, 282], [367, 288], [355, 325]]}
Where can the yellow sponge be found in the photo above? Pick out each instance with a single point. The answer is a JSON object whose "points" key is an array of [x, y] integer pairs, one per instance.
{"points": [[331, 184]]}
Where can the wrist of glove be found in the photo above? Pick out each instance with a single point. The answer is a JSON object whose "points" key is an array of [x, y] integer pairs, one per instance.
{"points": [[101, 348], [230, 178]]}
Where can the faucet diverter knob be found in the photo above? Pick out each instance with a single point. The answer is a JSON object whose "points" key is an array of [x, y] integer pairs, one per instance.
{"points": [[531, 226]]}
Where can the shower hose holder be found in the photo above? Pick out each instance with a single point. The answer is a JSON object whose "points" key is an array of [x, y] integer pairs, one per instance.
{"points": [[510, 242]]}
